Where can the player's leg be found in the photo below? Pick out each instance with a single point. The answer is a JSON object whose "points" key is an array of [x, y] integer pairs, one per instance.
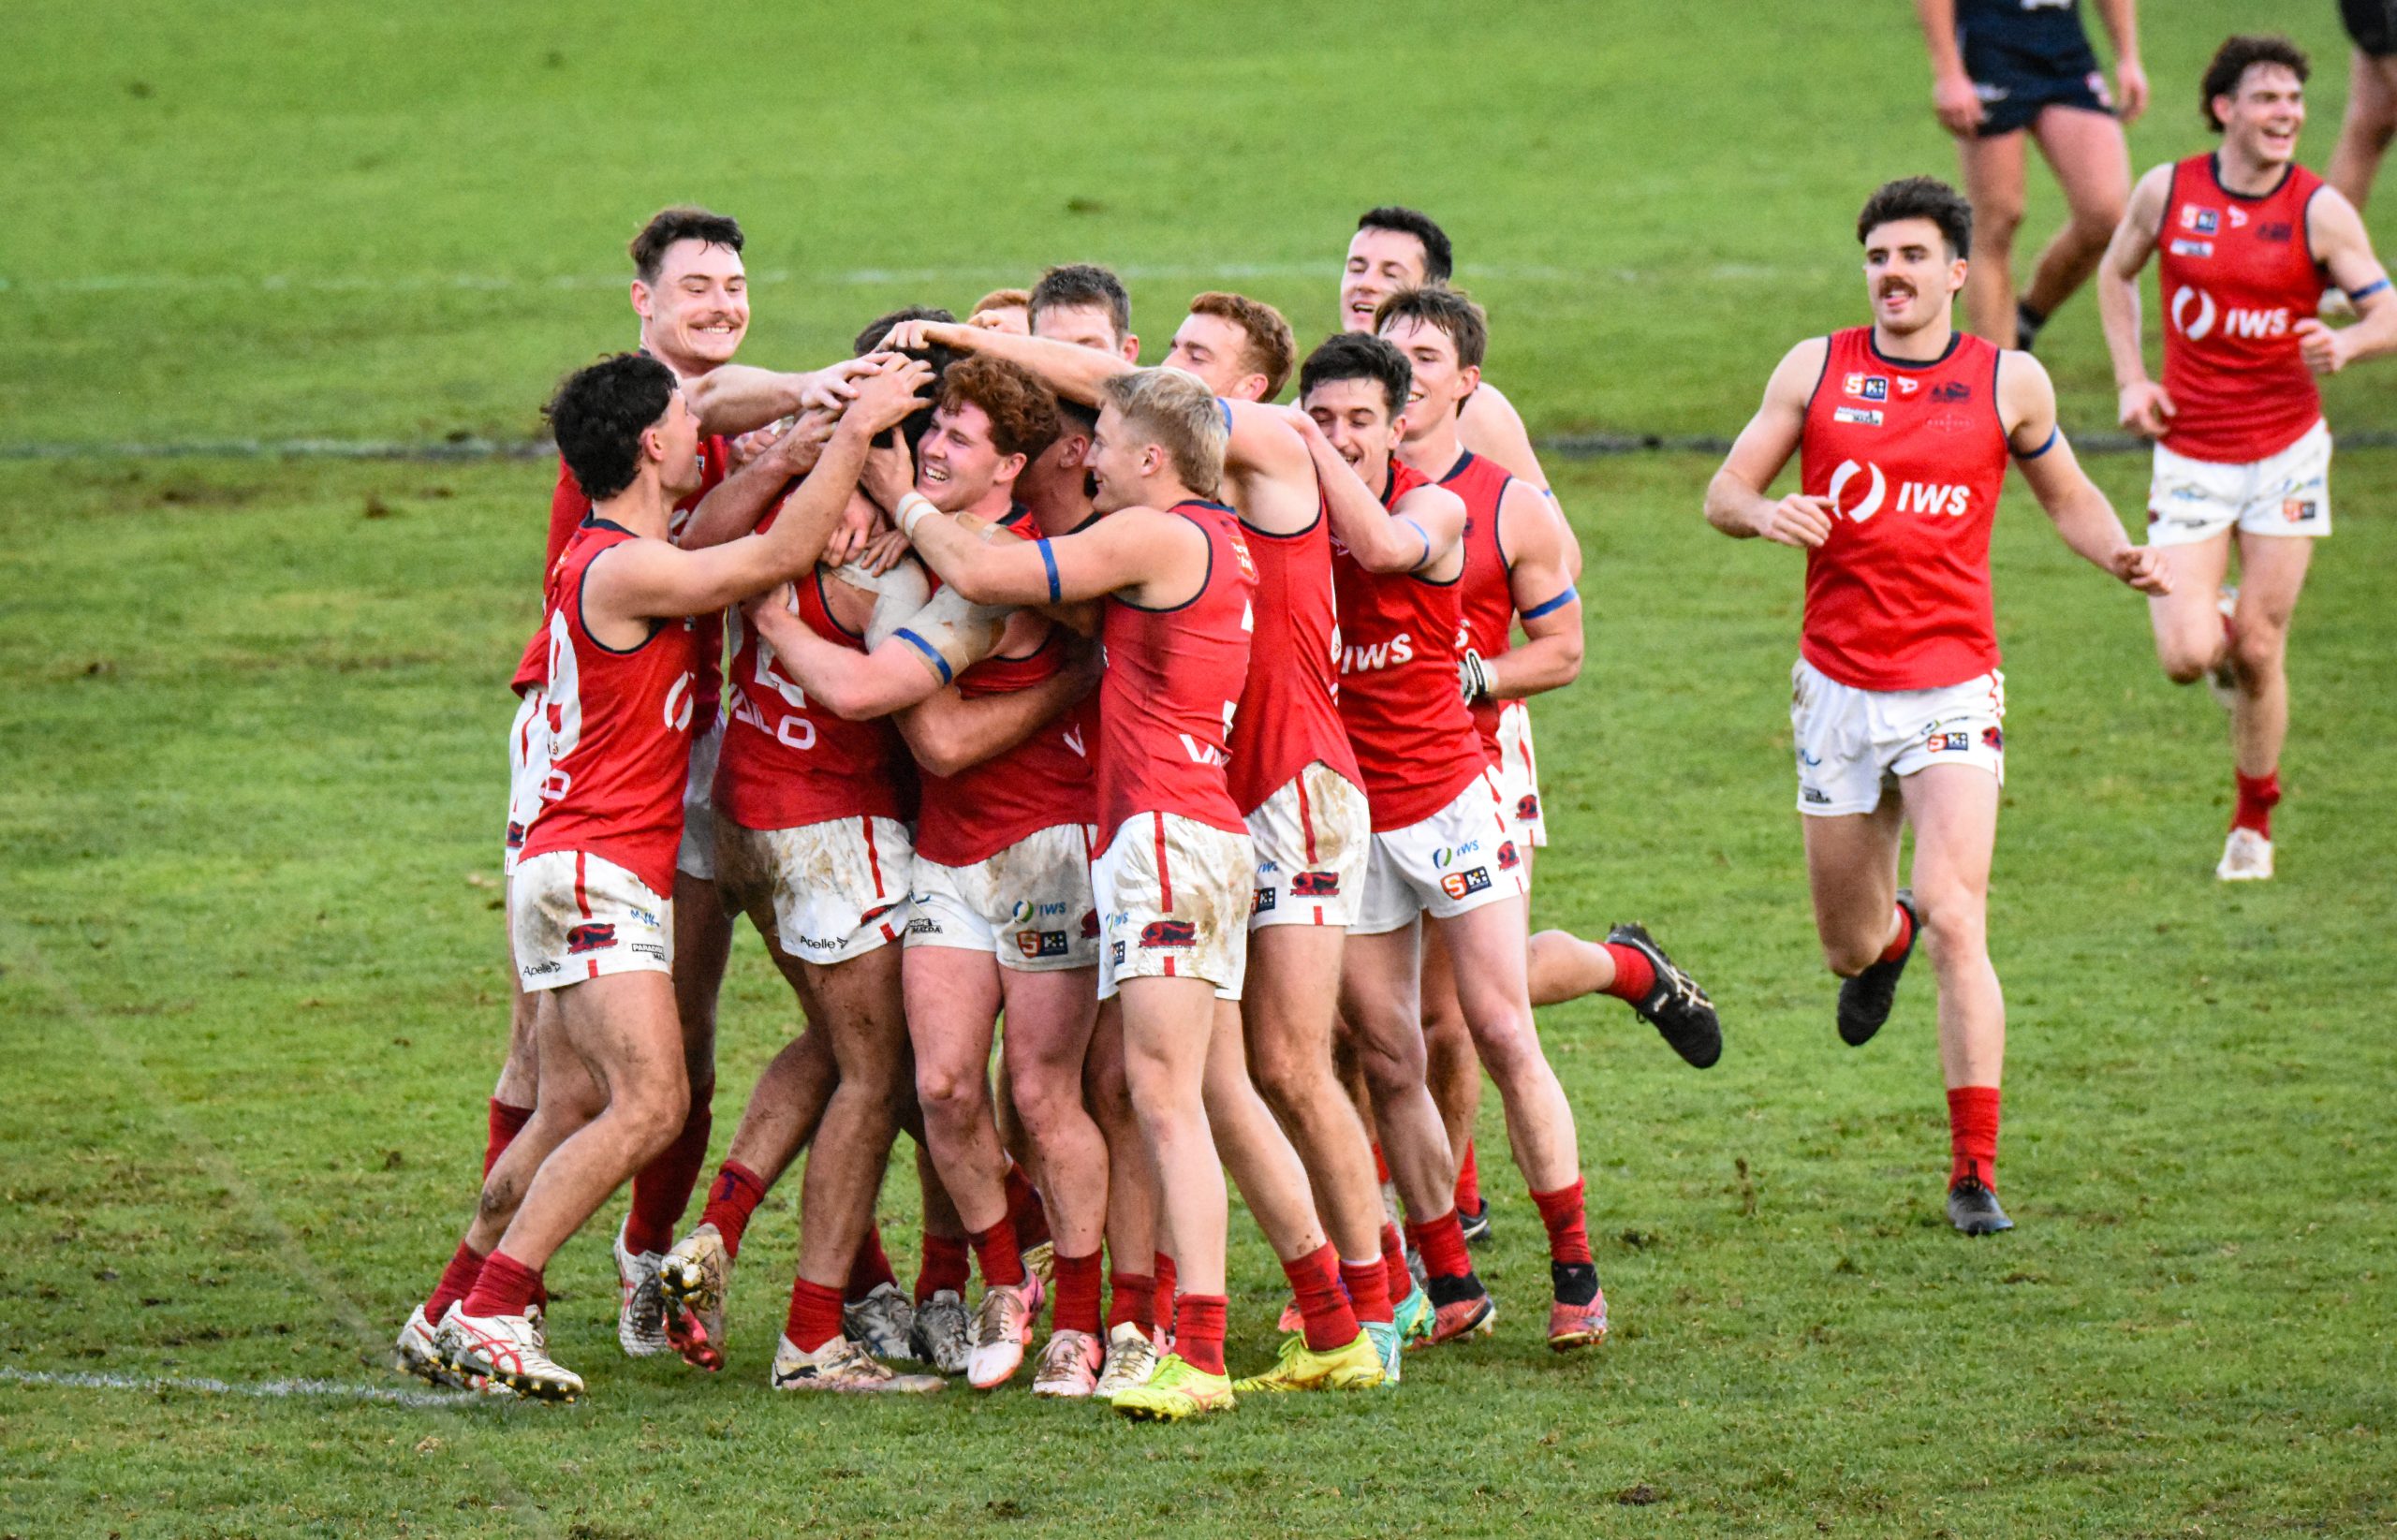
{"points": [[1953, 809], [1050, 1018], [1453, 1071], [1852, 873], [1134, 1233], [2191, 640], [1288, 1003], [2370, 123], [2272, 575], [2093, 167], [1994, 180], [862, 1010]]}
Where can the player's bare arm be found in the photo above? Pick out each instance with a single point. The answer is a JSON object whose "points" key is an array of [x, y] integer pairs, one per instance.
{"points": [[736, 398], [1424, 532], [2027, 406], [1488, 425], [1952, 97], [737, 503], [1270, 476], [1736, 501], [2336, 234], [1151, 558], [2120, 18], [652, 578], [1071, 370], [927, 650], [1550, 608], [950, 734], [2143, 406]]}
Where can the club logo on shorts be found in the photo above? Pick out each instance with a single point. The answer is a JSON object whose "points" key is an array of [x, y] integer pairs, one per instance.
{"points": [[1507, 858], [1115, 955], [591, 936], [515, 835], [1459, 884], [1314, 885], [1868, 387], [1090, 925], [2297, 511], [1527, 807], [1040, 943], [1168, 933], [1262, 901], [1942, 742], [1993, 739]]}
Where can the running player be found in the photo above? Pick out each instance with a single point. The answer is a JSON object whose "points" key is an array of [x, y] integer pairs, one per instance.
{"points": [[1441, 843], [589, 916], [1174, 880], [1904, 429], [1999, 67], [2246, 238], [2371, 119]]}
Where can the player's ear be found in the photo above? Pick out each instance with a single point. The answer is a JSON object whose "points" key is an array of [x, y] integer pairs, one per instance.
{"points": [[641, 299], [1009, 468], [1471, 375], [1131, 348], [1956, 271]]}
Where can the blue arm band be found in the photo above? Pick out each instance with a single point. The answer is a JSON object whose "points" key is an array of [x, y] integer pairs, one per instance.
{"points": [[2053, 434], [1423, 535], [2368, 290], [1568, 596], [1228, 413], [1048, 560], [939, 665]]}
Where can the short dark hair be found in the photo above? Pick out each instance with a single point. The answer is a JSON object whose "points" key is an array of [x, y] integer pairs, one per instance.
{"points": [[1073, 417], [1078, 284], [1921, 198], [682, 221], [2236, 56], [919, 422], [600, 412], [1023, 411], [1452, 310], [1360, 355], [1439, 261]]}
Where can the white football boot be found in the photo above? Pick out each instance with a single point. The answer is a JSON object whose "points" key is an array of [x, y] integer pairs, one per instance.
{"points": [[1131, 1360], [2246, 857], [1069, 1367], [640, 1308], [1002, 1330], [692, 1281], [841, 1365], [506, 1351]]}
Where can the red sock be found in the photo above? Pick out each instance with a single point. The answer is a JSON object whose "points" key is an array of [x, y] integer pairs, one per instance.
{"points": [[1442, 1242], [1163, 1272], [504, 1287], [871, 1268], [1397, 1281], [995, 1250], [735, 1197], [947, 1265], [1198, 1336], [662, 1189], [2258, 796], [1135, 1300], [1569, 1235], [1381, 1166], [1077, 1306], [1972, 1135], [1468, 1183], [1903, 939], [457, 1281], [1314, 1278], [1026, 1210], [1634, 975], [501, 1125], [1367, 1286], [815, 1316]]}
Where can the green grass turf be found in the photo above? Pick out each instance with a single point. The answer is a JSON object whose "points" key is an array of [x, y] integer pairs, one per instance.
{"points": [[251, 1004], [250, 994]]}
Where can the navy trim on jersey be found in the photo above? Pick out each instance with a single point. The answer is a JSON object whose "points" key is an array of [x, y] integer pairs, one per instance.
{"points": [[582, 619], [1203, 582], [1464, 458], [1873, 344], [1820, 375], [1551, 606], [932, 654], [2053, 436], [1299, 534], [2213, 170], [825, 599], [1049, 562], [1498, 527]]}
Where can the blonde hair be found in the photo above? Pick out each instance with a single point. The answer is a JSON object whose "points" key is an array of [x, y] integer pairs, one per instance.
{"points": [[1171, 409], [1271, 351]]}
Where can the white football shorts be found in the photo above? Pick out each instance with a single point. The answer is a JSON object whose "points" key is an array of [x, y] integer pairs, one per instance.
{"points": [[2287, 493], [1458, 859], [1029, 905], [528, 766], [1312, 837], [838, 889], [1852, 743], [574, 916], [1173, 895], [1519, 773]]}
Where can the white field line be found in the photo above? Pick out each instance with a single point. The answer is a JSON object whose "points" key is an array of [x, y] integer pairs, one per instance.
{"points": [[261, 1390]]}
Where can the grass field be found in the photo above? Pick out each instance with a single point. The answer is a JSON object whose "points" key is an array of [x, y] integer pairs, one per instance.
{"points": [[250, 990]]}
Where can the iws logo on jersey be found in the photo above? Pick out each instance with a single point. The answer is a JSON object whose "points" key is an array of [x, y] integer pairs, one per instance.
{"points": [[1458, 885], [593, 936], [2203, 220], [1381, 654], [1868, 387], [1864, 417], [2193, 313], [1872, 488]]}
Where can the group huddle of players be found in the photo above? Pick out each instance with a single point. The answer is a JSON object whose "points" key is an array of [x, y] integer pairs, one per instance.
{"points": [[993, 676]]}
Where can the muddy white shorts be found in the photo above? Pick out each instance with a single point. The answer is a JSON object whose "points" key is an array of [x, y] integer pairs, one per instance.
{"points": [[1458, 859], [838, 889], [1519, 773], [573, 916], [1029, 905], [1173, 895], [528, 766], [1312, 838], [696, 856], [1853, 743], [2287, 493]]}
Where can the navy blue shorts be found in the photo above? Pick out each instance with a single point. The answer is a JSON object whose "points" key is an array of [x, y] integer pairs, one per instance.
{"points": [[2373, 24], [2024, 61]]}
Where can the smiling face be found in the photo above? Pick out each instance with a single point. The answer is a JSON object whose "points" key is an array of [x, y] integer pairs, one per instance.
{"points": [[1910, 275], [694, 317], [2264, 116], [959, 467], [1354, 414], [1440, 383], [1120, 464], [1380, 263]]}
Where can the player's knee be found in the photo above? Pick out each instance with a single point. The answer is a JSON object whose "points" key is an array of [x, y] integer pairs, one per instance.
{"points": [[1994, 222], [1850, 955], [1393, 1065], [2256, 650], [2182, 665], [1509, 1046], [1287, 1081], [651, 1116], [949, 1094], [1955, 924]]}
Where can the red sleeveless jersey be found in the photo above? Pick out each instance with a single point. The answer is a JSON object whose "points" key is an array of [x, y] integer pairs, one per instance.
{"points": [[1172, 687], [787, 762], [1044, 780], [1486, 594], [1289, 711], [1912, 455], [1414, 741], [619, 725], [568, 508], [2237, 274]]}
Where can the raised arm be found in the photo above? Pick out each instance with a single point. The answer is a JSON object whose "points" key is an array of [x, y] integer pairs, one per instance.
{"points": [[1411, 538], [1550, 655], [2337, 235], [2027, 405], [1072, 371], [1736, 503], [2143, 405], [734, 398], [950, 733], [733, 506]]}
